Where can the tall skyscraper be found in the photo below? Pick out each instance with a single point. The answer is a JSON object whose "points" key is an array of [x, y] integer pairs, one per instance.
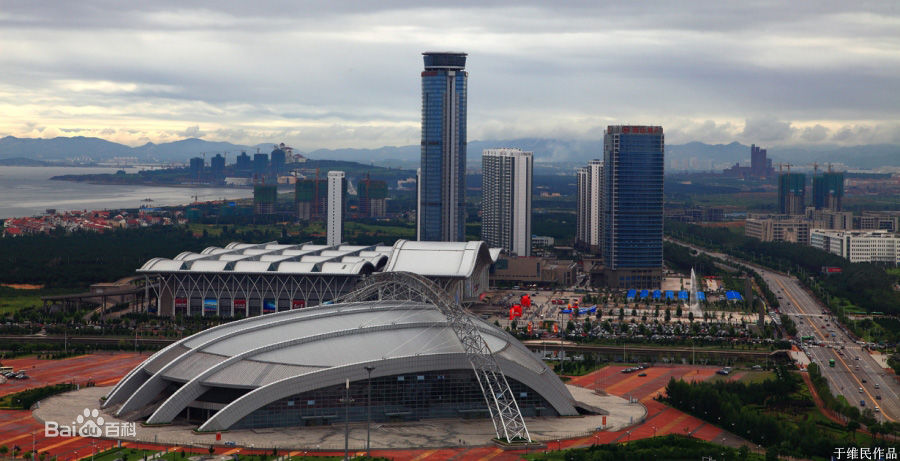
{"points": [[506, 185], [828, 191], [791, 193], [442, 181], [632, 206], [760, 166], [588, 222], [337, 189]]}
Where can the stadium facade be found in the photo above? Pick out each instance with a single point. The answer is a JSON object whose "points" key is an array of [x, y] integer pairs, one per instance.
{"points": [[246, 280], [420, 357]]}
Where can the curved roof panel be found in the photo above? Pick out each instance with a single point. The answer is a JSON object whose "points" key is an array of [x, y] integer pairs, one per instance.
{"points": [[318, 347]]}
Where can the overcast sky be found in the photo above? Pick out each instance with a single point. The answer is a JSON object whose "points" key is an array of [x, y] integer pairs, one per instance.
{"points": [[334, 74]]}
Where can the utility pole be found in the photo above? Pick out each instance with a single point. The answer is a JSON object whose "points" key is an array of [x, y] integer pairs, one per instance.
{"points": [[347, 421], [368, 407]]}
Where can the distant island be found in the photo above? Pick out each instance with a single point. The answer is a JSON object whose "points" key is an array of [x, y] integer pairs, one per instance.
{"points": [[182, 176]]}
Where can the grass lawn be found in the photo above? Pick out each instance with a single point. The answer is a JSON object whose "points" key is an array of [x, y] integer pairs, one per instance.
{"points": [[749, 378], [13, 300]]}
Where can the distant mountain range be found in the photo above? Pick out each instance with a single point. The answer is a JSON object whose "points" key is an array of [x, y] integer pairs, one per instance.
{"points": [[563, 151]]}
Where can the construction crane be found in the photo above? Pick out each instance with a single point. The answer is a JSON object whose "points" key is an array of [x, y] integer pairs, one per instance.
{"points": [[782, 165]]}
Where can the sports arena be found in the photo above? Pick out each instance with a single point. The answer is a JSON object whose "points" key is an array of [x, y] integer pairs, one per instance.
{"points": [[399, 337], [246, 280]]}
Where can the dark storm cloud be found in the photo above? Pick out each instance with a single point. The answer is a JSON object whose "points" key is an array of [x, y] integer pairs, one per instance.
{"points": [[713, 71]]}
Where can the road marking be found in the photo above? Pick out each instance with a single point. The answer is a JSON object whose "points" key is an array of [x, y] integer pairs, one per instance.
{"points": [[866, 391], [493, 454], [6, 442], [64, 442], [424, 455]]}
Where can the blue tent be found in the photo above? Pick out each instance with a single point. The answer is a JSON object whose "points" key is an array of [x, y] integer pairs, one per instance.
{"points": [[631, 294], [566, 311], [587, 310], [733, 296], [644, 294], [657, 294], [670, 294], [683, 295], [701, 296]]}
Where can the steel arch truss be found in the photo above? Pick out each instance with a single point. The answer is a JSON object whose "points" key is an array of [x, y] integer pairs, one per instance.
{"points": [[405, 286]]}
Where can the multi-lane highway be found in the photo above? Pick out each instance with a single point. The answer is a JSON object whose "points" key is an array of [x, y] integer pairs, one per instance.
{"points": [[855, 375]]}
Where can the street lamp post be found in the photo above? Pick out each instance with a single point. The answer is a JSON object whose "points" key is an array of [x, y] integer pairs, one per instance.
{"points": [[368, 406], [347, 421]]}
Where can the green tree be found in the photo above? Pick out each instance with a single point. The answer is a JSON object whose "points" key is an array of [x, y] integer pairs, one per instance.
{"points": [[678, 311], [691, 317], [743, 452], [771, 454], [853, 426]]}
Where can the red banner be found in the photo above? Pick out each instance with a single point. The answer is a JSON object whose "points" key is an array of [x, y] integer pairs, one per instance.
{"points": [[298, 303], [181, 302]]}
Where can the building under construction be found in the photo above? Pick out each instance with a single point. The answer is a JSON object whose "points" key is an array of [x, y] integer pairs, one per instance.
{"points": [[310, 198], [828, 191], [264, 198], [791, 193], [372, 198]]}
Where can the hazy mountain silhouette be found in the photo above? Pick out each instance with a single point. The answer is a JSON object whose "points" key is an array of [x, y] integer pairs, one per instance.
{"points": [[545, 150]]}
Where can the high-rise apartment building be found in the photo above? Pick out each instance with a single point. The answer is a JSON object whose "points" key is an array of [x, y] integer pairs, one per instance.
{"points": [[217, 165], [828, 191], [337, 189], [791, 193], [196, 168], [588, 222], [260, 165], [506, 185], [277, 161], [243, 162], [632, 206], [442, 192]]}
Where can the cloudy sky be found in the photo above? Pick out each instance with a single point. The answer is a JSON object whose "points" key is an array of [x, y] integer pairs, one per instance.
{"points": [[340, 74]]}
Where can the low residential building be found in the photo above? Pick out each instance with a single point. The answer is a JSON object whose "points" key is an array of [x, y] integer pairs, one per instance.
{"points": [[511, 270], [828, 219], [858, 246], [778, 228], [872, 220]]}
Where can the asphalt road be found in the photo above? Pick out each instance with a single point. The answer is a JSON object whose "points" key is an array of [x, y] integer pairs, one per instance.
{"points": [[855, 374]]}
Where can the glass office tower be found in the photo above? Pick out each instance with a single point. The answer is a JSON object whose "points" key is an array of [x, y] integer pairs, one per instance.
{"points": [[442, 191], [632, 206]]}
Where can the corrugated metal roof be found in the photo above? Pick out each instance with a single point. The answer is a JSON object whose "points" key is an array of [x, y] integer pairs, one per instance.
{"points": [[436, 259]]}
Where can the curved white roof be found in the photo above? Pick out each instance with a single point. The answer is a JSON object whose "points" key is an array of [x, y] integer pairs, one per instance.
{"points": [[438, 259], [434, 259], [317, 347]]}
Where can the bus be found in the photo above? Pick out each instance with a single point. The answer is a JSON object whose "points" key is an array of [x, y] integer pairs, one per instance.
{"points": [[831, 363], [806, 338]]}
